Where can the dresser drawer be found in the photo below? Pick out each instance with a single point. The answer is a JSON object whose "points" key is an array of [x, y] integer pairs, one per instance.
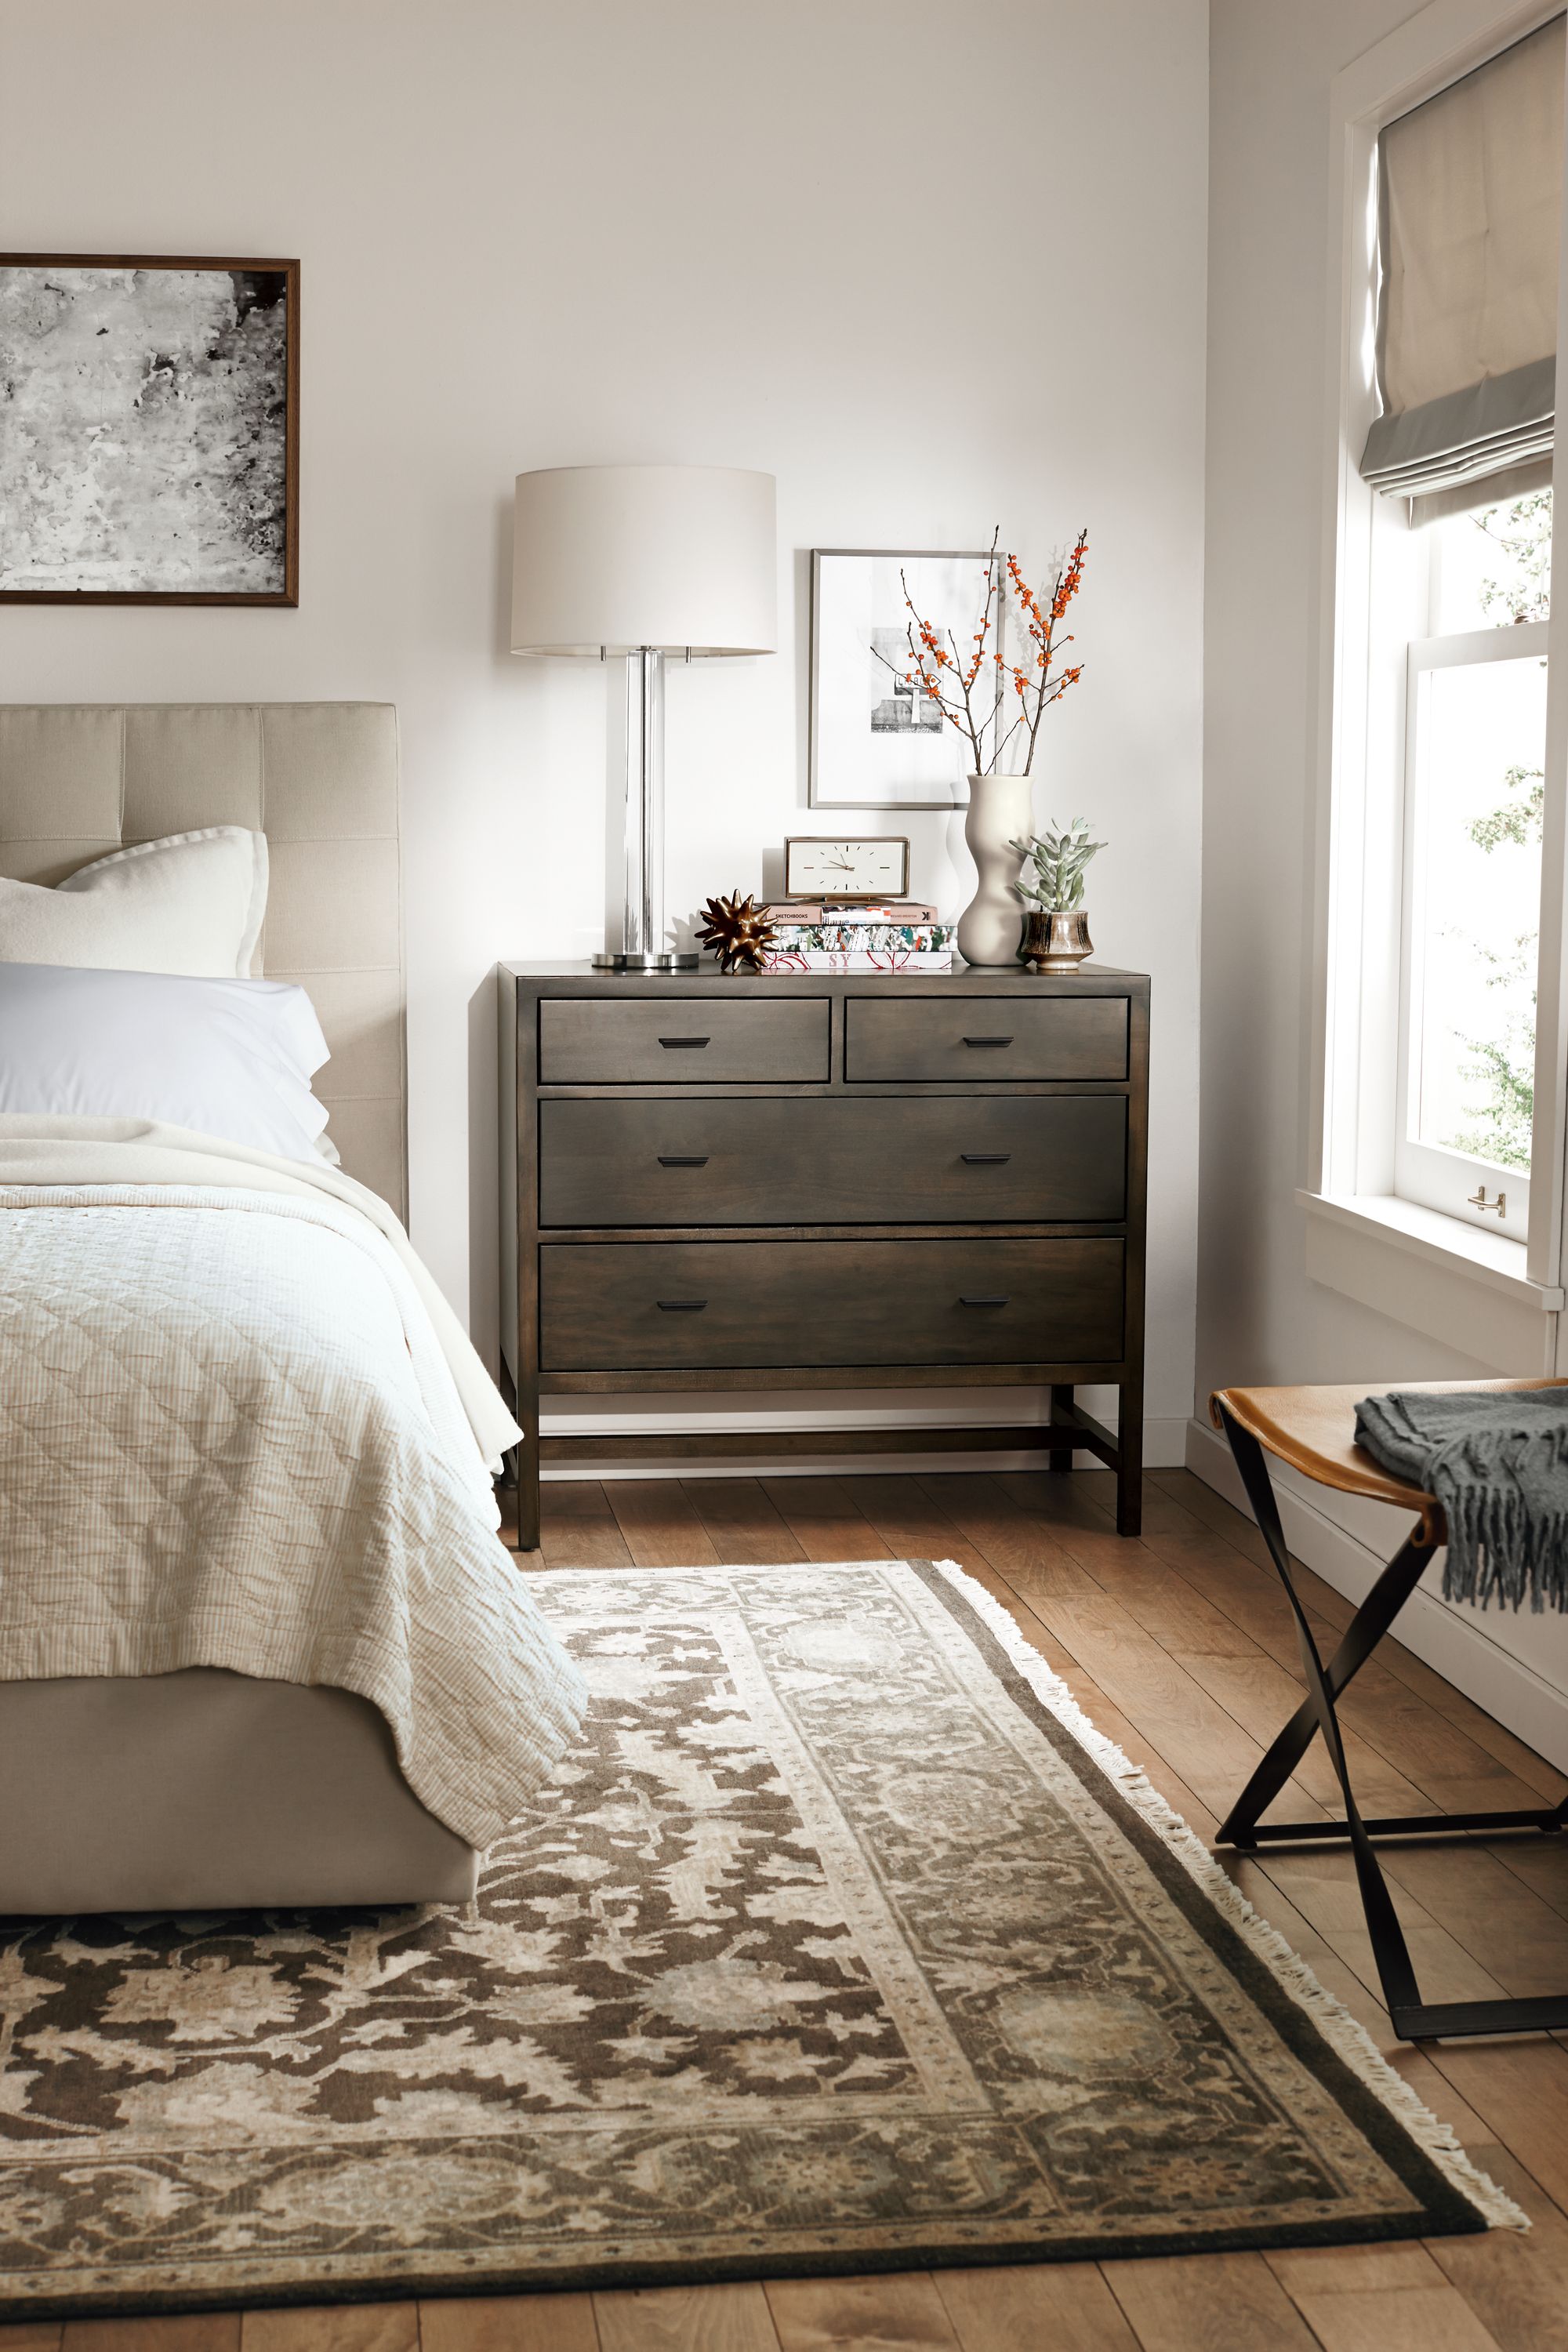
{"points": [[986, 1037], [609, 1307], [830, 1160], [677, 1039]]}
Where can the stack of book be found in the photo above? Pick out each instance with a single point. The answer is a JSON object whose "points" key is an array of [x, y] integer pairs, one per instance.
{"points": [[901, 935]]}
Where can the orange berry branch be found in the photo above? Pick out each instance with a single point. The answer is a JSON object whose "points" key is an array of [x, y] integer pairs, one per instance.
{"points": [[952, 679]]}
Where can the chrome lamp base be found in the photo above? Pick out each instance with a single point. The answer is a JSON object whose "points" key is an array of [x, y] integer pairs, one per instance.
{"points": [[630, 960]]}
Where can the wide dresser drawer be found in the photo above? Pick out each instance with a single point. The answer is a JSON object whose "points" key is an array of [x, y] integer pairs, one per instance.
{"points": [[608, 1307], [830, 1161], [986, 1037], [618, 1041]]}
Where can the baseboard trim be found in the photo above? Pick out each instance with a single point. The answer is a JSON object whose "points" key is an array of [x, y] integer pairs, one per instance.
{"points": [[1535, 1710]]}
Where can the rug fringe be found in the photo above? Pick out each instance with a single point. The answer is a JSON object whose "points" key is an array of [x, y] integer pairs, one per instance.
{"points": [[1348, 2038]]}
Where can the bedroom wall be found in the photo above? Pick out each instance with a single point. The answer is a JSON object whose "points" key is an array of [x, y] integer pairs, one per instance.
{"points": [[934, 270], [1260, 1318]]}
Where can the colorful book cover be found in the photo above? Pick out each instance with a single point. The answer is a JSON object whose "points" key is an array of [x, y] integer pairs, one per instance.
{"points": [[889, 958], [851, 939]]}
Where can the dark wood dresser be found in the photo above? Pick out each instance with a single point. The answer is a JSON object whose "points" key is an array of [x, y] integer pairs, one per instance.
{"points": [[822, 1182]]}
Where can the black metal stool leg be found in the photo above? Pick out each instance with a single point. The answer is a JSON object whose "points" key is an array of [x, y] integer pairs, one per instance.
{"points": [[1412, 2019]]}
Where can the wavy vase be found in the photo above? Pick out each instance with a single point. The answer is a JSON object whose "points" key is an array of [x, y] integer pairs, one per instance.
{"points": [[1001, 812]]}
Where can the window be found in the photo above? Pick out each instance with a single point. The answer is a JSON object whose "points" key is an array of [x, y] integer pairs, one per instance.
{"points": [[1473, 801], [1438, 951]]}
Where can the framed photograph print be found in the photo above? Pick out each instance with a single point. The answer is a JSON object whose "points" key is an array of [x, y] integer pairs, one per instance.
{"points": [[876, 742], [149, 430]]}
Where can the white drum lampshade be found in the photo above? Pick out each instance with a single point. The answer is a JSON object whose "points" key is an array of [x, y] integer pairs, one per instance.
{"points": [[608, 559], [645, 560]]}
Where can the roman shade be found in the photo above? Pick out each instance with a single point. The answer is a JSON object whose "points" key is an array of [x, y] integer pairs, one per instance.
{"points": [[1469, 193]]}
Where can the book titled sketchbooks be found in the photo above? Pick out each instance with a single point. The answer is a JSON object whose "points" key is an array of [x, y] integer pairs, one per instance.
{"points": [[827, 910], [867, 944]]}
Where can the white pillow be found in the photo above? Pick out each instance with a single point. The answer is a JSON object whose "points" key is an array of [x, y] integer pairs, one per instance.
{"points": [[229, 1057], [192, 903]]}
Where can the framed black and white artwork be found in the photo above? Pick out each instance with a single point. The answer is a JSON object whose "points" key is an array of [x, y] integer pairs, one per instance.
{"points": [[149, 430], [876, 742]]}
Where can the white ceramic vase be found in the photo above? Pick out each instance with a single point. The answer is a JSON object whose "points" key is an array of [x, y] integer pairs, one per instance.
{"points": [[1001, 812]]}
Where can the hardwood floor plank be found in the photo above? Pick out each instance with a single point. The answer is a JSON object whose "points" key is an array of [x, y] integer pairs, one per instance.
{"points": [[31, 2335], [1065, 2306], [1516, 2284], [898, 2311], [821, 1514], [331, 2327], [1169, 1606], [743, 1524], [911, 1524], [686, 2319], [577, 1528], [509, 2323], [1521, 1940], [188, 2331], [1017, 1542], [1261, 1696], [1406, 2319], [659, 1523], [1207, 2303], [1520, 2088]]}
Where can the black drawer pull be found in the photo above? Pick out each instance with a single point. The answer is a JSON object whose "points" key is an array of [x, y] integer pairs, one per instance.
{"points": [[683, 1159], [985, 1159], [681, 1306], [982, 1302], [988, 1040], [673, 1042]]}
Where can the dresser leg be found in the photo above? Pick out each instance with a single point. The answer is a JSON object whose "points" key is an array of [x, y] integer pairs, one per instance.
{"points": [[1061, 1403], [1130, 1460], [527, 1459]]}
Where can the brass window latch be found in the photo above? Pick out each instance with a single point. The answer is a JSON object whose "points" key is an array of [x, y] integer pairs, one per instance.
{"points": [[1479, 1199]]}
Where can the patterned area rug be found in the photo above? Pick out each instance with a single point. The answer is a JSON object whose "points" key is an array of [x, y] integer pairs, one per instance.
{"points": [[843, 1942]]}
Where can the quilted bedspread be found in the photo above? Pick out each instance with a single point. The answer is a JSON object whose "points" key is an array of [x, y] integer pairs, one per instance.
{"points": [[239, 1428]]}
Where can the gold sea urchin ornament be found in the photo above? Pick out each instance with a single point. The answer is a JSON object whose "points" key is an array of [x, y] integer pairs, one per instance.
{"points": [[738, 932]]}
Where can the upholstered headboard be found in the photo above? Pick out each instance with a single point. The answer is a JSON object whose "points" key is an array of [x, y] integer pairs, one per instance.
{"points": [[320, 780]]}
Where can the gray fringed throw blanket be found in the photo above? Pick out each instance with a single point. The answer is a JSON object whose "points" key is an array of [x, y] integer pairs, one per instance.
{"points": [[1497, 1460]]}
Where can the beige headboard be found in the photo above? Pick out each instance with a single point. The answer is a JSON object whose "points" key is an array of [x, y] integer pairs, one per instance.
{"points": [[319, 779]]}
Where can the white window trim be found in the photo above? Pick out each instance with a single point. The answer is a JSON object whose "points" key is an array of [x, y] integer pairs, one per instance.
{"points": [[1427, 1173], [1357, 854]]}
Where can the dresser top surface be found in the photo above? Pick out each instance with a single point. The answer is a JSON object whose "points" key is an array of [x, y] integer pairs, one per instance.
{"points": [[970, 980]]}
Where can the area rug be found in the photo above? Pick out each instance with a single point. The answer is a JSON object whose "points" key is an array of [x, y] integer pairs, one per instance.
{"points": [[842, 1942]]}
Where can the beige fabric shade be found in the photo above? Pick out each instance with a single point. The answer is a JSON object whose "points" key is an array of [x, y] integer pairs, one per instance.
{"points": [[1470, 195], [608, 559]]}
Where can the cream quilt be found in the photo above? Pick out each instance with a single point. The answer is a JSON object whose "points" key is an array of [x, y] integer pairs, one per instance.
{"points": [[240, 1427]]}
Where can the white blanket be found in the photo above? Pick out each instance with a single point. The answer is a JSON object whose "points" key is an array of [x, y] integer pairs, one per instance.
{"points": [[240, 1427]]}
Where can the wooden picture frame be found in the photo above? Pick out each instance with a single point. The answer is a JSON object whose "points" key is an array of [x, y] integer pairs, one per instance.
{"points": [[251, 556]]}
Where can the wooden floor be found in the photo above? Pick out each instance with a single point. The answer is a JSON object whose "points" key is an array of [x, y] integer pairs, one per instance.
{"points": [[1179, 1647]]}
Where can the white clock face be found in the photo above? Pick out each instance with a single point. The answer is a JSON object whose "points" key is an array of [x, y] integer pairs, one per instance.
{"points": [[837, 869]]}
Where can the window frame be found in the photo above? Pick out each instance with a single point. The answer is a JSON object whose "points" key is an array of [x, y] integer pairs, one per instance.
{"points": [[1432, 1175], [1355, 994]]}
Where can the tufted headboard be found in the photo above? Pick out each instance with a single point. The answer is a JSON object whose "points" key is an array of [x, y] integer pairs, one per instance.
{"points": [[320, 780]]}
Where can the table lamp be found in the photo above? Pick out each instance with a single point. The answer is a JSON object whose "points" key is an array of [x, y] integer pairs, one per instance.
{"points": [[650, 561]]}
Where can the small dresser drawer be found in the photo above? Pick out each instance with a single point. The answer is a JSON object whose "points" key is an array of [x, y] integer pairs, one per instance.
{"points": [[680, 1040], [609, 1307], [986, 1037], [820, 1160]]}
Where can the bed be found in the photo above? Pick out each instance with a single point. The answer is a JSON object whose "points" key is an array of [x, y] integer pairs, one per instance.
{"points": [[341, 1733]]}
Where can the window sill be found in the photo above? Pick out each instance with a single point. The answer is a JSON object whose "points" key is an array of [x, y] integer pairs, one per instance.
{"points": [[1433, 1274]]}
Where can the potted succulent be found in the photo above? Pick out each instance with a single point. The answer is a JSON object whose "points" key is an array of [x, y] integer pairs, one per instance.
{"points": [[1056, 928]]}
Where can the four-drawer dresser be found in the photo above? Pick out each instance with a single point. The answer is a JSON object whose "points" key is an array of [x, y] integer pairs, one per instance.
{"points": [[815, 1182]]}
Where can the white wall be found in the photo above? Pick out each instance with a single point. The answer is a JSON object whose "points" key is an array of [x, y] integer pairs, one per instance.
{"points": [[1260, 1318], [935, 268]]}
